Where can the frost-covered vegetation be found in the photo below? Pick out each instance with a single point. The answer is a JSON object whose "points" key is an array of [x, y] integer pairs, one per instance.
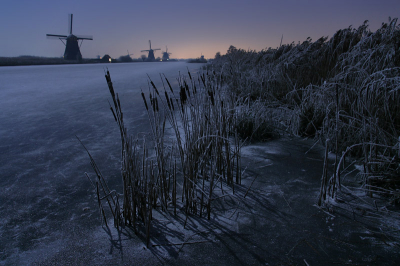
{"points": [[344, 91], [189, 159]]}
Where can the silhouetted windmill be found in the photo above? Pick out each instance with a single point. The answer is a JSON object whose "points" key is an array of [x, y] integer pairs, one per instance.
{"points": [[126, 58], [165, 56], [150, 57], [72, 51]]}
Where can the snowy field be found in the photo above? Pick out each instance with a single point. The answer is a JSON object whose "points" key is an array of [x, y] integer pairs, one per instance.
{"points": [[44, 194]]}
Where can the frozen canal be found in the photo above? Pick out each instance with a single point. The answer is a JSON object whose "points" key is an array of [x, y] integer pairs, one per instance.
{"points": [[45, 198]]}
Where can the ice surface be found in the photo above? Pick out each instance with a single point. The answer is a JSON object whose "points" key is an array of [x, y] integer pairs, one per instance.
{"points": [[43, 189]]}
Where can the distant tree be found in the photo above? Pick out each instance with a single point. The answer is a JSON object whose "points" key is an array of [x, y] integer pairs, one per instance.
{"points": [[232, 49], [217, 55], [158, 59], [143, 57]]}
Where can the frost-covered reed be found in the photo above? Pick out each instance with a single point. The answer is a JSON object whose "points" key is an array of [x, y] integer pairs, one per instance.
{"points": [[201, 115], [345, 89], [195, 149]]}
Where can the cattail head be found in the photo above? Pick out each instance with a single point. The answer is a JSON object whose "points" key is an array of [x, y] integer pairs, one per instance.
{"points": [[156, 104], [154, 86], [167, 98], [187, 88], [183, 95], [145, 102], [211, 94]]}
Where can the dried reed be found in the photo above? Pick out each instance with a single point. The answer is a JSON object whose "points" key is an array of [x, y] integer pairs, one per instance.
{"points": [[345, 89], [204, 152]]}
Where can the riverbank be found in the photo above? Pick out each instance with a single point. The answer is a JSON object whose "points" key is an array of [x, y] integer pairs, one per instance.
{"points": [[37, 60]]}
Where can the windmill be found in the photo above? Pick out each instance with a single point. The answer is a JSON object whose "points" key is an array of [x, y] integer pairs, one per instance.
{"points": [[72, 51], [165, 56], [126, 58], [150, 57]]}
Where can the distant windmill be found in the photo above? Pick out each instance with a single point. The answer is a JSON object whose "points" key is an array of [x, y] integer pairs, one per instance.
{"points": [[126, 58], [165, 56], [72, 51], [150, 57]]}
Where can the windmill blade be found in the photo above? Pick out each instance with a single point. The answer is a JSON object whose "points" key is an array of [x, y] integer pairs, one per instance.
{"points": [[70, 23], [56, 36], [150, 44], [84, 37], [156, 49]]}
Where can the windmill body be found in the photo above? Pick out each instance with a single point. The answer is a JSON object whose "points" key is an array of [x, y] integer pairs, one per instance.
{"points": [[165, 56], [72, 49], [151, 56]]}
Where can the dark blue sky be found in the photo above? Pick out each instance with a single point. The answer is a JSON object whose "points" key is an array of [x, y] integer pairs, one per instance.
{"points": [[187, 27]]}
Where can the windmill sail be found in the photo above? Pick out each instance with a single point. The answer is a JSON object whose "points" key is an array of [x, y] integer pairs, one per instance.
{"points": [[56, 36], [70, 16]]}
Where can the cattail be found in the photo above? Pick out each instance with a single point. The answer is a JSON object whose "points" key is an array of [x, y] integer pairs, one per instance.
{"points": [[156, 103], [187, 88], [169, 85], [109, 83], [145, 102], [167, 98], [112, 110], [119, 104], [153, 104], [211, 94], [151, 100], [154, 86], [183, 95], [203, 79]]}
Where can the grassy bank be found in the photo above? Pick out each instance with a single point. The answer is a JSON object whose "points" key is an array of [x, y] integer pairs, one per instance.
{"points": [[342, 91]]}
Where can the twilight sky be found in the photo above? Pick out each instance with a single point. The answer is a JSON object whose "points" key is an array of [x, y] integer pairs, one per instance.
{"points": [[189, 28]]}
